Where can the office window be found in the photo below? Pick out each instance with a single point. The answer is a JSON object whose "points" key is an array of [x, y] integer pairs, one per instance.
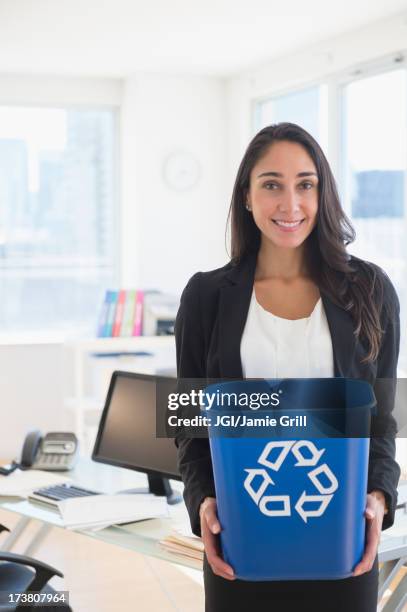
{"points": [[376, 145], [374, 155], [306, 107], [57, 218]]}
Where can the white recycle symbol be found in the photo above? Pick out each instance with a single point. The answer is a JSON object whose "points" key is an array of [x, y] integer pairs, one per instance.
{"points": [[265, 502]]}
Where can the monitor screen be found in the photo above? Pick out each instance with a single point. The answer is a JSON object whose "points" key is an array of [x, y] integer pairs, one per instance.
{"points": [[127, 430]]}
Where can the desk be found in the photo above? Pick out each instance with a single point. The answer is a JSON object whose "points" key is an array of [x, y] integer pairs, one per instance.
{"points": [[144, 536]]}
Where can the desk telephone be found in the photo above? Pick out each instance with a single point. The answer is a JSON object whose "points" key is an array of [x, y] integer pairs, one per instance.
{"points": [[57, 451]]}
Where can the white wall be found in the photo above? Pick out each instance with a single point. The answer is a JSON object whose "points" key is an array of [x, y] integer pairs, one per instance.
{"points": [[31, 393], [169, 235]]}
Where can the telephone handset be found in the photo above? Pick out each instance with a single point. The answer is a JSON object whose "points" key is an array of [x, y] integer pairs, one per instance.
{"points": [[30, 448], [57, 451]]}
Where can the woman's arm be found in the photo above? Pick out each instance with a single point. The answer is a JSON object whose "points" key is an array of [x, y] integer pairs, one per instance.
{"points": [[384, 471], [194, 459]]}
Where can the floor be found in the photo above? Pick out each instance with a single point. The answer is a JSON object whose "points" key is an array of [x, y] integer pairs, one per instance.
{"points": [[140, 583]]}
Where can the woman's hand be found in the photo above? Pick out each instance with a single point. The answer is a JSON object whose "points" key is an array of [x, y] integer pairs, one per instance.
{"points": [[210, 528], [374, 512]]}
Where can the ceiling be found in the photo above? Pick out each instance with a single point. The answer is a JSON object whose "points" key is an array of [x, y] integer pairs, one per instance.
{"points": [[215, 37]]}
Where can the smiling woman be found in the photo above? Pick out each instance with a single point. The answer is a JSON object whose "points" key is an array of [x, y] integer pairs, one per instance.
{"points": [[291, 303], [283, 199]]}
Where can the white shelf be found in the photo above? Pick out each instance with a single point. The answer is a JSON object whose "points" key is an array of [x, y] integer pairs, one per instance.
{"points": [[99, 369], [147, 343]]}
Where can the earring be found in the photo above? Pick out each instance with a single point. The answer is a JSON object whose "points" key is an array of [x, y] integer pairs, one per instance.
{"points": [[248, 207]]}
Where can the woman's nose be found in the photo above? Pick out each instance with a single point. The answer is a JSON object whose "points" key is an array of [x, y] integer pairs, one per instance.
{"points": [[290, 202]]}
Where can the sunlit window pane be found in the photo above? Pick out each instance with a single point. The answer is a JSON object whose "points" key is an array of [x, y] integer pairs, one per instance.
{"points": [[305, 107], [56, 216], [376, 145], [375, 163]]}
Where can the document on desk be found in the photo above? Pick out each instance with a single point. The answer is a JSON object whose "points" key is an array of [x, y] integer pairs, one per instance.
{"points": [[99, 511], [21, 482]]}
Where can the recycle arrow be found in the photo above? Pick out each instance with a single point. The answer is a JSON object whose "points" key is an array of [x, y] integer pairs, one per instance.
{"points": [[252, 473], [315, 453], [285, 511], [323, 469], [285, 446], [304, 498]]}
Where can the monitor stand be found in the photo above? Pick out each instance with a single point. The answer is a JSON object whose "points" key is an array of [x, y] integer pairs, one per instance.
{"points": [[158, 485]]}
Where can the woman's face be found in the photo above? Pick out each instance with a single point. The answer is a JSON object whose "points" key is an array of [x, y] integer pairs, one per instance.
{"points": [[283, 194]]}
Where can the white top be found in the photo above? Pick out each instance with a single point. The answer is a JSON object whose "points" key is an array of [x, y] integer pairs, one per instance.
{"points": [[273, 347]]}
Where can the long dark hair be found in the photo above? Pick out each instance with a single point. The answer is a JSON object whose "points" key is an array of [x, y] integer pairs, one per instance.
{"points": [[352, 284]]}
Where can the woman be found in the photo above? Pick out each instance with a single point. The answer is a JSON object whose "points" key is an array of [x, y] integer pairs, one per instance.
{"points": [[290, 303]]}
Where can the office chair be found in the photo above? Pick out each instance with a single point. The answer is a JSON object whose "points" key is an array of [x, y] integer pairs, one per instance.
{"points": [[16, 577]]}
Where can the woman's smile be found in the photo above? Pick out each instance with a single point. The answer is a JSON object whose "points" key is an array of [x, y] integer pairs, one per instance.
{"points": [[288, 226]]}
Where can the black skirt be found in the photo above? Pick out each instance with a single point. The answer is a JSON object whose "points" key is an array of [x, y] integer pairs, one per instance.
{"points": [[354, 594]]}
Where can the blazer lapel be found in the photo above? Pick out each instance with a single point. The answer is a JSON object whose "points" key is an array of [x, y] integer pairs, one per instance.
{"points": [[233, 308]]}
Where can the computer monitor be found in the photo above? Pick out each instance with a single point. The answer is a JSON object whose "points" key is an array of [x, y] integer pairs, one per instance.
{"points": [[126, 435]]}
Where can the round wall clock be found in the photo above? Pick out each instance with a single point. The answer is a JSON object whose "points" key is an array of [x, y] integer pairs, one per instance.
{"points": [[181, 170]]}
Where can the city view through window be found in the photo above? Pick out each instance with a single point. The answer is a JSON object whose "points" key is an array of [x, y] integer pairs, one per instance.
{"points": [[57, 236]]}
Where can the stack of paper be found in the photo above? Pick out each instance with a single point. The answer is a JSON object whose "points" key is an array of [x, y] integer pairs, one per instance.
{"points": [[99, 511], [184, 545], [22, 482]]}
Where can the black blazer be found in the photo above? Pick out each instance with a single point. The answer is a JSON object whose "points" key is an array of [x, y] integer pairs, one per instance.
{"points": [[208, 331]]}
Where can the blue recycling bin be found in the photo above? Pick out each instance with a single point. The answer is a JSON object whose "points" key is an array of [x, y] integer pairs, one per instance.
{"points": [[292, 507]]}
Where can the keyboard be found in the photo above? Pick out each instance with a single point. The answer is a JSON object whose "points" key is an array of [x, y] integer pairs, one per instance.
{"points": [[56, 493]]}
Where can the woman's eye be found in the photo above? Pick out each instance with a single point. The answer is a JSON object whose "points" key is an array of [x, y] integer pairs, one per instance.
{"points": [[306, 185]]}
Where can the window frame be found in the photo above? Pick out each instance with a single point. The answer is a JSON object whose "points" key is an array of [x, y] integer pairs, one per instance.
{"points": [[342, 80]]}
